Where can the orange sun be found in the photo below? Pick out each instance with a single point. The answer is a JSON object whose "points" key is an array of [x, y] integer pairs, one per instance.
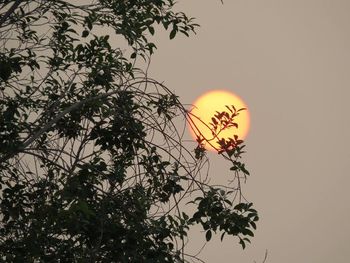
{"points": [[209, 104]]}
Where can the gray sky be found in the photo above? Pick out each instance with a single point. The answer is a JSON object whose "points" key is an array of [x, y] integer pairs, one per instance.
{"points": [[290, 61]]}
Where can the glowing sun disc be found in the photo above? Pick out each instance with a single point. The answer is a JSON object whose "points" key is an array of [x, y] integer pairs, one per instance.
{"points": [[206, 106]]}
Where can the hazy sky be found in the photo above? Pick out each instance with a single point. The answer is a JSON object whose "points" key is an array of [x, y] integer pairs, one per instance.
{"points": [[290, 61]]}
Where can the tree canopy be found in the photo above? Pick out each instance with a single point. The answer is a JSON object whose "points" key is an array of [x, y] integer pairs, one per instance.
{"points": [[92, 165]]}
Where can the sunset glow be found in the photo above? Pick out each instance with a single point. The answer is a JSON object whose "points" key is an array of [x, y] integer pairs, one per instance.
{"points": [[207, 105]]}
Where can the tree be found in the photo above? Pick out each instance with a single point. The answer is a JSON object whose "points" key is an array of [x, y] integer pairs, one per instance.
{"points": [[92, 166]]}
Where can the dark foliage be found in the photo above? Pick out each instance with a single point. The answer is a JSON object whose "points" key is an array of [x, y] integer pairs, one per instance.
{"points": [[92, 165]]}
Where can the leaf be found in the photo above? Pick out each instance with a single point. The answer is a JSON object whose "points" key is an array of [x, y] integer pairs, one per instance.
{"points": [[245, 171], [89, 24], [151, 30], [85, 33], [222, 236], [185, 216], [197, 215], [172, 33], [248, 232], [208, 235], [234, 168], [228, 202], [240, 206], [228, 108], [253, 224], [241, 241]]}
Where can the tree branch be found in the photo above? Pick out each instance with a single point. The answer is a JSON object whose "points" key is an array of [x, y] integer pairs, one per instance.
{"points": [[10, 11], [48, 125]]}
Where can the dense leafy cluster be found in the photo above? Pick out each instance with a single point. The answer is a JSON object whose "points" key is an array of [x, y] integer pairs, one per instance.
{"points": [[92, 165]]}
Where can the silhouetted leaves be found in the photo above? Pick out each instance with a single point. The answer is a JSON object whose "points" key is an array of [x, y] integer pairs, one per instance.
{"points": [[214, 215], [92, 166]]}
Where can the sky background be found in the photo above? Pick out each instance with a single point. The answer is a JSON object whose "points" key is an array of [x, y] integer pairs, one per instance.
{"points": [[290, 61]]}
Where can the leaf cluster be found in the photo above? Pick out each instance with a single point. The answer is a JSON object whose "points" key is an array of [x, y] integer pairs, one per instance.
{"points": [[215, 212]]}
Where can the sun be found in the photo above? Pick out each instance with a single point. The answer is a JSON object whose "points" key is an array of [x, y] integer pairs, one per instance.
{"points": [[204, 109]]}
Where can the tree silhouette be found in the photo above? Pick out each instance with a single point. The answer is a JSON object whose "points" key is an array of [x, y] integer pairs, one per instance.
{"points": [[92, 165]]}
